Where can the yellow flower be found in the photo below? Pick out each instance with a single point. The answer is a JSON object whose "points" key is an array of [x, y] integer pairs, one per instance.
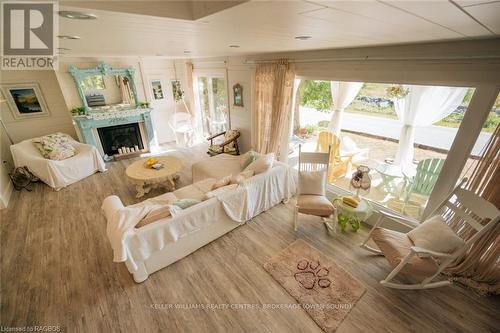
{"points": [[150, 162]]}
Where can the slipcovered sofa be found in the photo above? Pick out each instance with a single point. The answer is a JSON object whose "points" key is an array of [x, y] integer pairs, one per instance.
{"points": [[156, 245]]}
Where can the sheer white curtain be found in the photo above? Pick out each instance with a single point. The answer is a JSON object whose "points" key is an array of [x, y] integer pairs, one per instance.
{"points": [[343, 93], [422, 106]]}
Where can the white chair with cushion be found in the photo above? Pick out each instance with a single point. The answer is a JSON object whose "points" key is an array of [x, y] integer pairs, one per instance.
{"points": [[430, 248], [311, 199], [60, 172]]}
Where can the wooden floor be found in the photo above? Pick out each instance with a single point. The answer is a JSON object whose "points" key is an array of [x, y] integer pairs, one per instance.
{"points": [[57, 269]]}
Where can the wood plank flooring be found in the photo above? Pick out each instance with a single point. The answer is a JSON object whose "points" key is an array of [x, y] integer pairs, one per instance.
{"points": [[57, 269]]}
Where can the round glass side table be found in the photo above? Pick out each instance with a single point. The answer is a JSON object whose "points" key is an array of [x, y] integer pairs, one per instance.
{"points": [[354, 216]]}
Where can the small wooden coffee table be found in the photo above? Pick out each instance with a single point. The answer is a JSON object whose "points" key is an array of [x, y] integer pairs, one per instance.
{"points": [[146, 179]]}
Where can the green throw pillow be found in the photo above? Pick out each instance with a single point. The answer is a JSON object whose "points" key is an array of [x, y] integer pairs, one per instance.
{"points": [[251, 157], [186, 203]]}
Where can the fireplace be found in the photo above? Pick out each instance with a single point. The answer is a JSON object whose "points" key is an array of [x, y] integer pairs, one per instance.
{"points": [[114, 137]]}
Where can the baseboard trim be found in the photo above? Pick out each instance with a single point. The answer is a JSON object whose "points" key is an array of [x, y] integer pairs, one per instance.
{"points": [[5, 197]]}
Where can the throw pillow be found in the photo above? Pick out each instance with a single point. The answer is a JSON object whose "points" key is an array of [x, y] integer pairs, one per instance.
{"points": [[185, 203], [222, 182], [158, 214], [55, 146], [261, 164], [435, 235], [247, 158], [312, 182], [242, 176], [221, 190]]}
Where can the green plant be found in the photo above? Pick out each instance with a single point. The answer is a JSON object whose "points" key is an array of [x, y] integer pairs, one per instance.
{"points": [[144, 105], [78, 111]]}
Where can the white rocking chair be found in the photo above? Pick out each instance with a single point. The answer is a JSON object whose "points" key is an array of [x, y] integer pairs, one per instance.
{"points": [[461, 204]]}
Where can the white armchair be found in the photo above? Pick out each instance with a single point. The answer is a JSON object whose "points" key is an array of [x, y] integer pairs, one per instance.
{"points": [[58, 174]]}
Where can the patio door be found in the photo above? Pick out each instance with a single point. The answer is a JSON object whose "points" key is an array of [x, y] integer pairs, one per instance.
{"points": [[212, 102]]}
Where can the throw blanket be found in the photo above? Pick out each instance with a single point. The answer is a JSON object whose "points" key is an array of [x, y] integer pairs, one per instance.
{"points": [[258, 194], [122, 223]]}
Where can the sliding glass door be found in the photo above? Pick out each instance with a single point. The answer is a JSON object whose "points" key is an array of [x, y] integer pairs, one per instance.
{"points": [[212, 98]]}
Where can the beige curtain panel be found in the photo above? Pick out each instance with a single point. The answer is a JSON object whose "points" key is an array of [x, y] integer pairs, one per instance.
{"points": [[272, 102], [480, 267]]}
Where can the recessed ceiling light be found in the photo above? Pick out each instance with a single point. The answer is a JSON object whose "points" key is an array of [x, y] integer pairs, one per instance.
{"points": [[77, 15], [234, 46], [303, 37], [68, 37]]}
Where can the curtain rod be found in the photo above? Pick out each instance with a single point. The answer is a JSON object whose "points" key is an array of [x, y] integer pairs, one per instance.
{"points": [[369, 58]]}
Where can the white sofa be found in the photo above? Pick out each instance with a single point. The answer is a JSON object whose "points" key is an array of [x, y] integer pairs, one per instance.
{"points": [[58, 174], [163, 242]]}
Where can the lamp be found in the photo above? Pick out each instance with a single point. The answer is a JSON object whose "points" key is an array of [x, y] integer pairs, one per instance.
{"points": [[361, 179]]}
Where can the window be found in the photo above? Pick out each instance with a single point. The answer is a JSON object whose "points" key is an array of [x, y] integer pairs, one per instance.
{"points": [[95, 82], [401, 132], [491, 123], [212, 94]]}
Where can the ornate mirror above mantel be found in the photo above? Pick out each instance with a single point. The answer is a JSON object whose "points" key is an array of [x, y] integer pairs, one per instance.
{"points": [[103, 88], [114, 118]]}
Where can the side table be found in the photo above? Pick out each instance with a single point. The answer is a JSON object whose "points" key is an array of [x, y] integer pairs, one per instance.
{"points": [[350, 215]]}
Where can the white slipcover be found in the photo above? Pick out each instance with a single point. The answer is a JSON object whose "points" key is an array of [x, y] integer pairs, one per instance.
{"points": [[135, 245], [58, 174], [216, 167]]}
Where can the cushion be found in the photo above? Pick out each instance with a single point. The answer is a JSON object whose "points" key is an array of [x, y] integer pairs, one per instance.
{"points": [[242, 176], [315, 205], [158, 214], [190, 192], [395, 246], [261, 164], [55, 146], [435, 235], [216, 167], [205, 185], [218, 149], [186, 203], [247, 158], [312, 182], [221, 190], [231, 134], [222, 182]]}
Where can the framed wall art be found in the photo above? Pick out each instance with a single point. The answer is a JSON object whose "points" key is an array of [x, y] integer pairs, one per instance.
{"points": [[157, 90], [238, 94], [25, 100], [176, 90]]}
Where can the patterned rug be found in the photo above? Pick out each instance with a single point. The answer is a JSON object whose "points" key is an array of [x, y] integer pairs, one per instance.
{"points": [[323, 289]]}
